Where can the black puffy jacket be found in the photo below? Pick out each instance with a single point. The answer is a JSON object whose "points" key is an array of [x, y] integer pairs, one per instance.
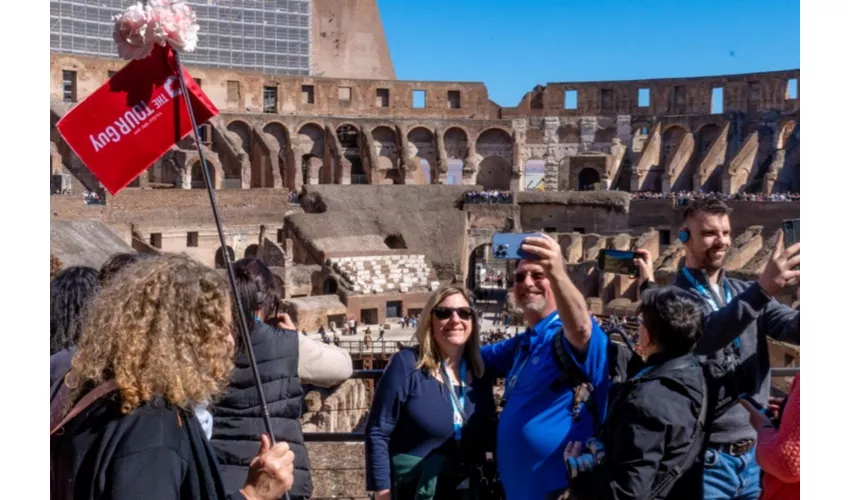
{"points": [[238, 421]]}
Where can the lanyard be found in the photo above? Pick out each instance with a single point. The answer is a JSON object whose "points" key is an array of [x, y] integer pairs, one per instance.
{"points": [[710, 298], [518, 366], [705, 293], [458, 403]]}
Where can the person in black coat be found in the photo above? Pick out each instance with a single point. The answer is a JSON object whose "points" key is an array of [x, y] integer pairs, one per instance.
{"points": [[123, 426], [652, 419], [284, 359]]}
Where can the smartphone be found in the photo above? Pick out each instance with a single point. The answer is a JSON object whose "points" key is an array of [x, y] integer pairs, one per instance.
{"points": [[506, 246], [756, 404], [618, 261], [791, 230]]}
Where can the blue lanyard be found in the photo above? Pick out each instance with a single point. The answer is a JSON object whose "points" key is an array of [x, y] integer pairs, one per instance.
{"points": [[458, 403], [710, 298], [517, 367], [705, 293]]}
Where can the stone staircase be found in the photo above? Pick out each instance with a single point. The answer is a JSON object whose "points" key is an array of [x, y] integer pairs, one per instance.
{"points": [[386, 273]]}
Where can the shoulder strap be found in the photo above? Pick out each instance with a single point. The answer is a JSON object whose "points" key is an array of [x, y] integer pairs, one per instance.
{"points": [[694, 448], [56, 419], [570, 375]]}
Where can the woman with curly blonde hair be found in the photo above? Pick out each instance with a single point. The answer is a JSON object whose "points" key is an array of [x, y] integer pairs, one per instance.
{"points": [[432, 415], [154, 344]]}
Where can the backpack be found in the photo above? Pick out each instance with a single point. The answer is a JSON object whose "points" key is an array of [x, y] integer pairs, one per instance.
{"points": [[59, 396]]}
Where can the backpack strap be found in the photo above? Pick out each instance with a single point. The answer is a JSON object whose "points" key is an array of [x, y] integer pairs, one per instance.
{"points": [[694, 448], [57, 421], [570, 375]]}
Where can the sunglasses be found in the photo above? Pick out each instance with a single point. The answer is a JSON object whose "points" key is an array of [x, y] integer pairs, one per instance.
{"points": [[464, 313], [535, 276]]}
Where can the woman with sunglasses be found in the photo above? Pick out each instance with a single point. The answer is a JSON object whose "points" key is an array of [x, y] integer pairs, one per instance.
{"points": [[432, 414]]}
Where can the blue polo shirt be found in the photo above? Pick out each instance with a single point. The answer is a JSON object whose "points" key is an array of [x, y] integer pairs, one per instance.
{"points": [[537, 423]]}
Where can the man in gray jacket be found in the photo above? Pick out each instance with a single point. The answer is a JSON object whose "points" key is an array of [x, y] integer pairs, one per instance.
{"points": [[739, 315]]}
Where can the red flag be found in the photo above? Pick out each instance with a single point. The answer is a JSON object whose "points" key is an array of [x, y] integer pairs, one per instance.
{"points": [[133, 119]]}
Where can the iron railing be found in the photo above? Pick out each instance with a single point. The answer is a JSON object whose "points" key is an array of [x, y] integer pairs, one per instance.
{"points": [[343, 437]]}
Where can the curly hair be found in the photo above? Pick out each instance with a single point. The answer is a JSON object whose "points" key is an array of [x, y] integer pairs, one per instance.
{"points": [[429, 351], [163, 329], [71, 291]]}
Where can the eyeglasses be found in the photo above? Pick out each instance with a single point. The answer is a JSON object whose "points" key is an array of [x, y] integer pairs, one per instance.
{"points": [[464, 313], [535, 276]]}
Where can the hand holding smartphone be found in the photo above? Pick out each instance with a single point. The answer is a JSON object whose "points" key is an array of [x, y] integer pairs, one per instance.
{"points": [[618, 261]]}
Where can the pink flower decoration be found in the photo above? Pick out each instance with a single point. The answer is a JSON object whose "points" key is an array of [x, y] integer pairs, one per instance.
{"points": [[160, 21], [132, 32], [175, 24]]}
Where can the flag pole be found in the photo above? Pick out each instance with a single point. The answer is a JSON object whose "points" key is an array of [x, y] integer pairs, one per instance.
{"points": [[243, 321]]}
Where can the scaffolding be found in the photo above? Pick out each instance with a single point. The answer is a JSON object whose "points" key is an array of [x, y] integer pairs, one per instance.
{"points": [[267, 36]]}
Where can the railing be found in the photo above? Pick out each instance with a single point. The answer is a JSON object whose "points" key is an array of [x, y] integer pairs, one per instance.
{"points": [[342, 437], [375, 347]]}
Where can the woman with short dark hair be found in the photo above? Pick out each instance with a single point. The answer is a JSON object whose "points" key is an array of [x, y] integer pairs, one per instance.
{"points": [[285, 360]]}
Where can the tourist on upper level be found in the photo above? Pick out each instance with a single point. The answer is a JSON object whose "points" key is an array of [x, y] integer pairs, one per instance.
{"points": [[778, 450], [153, 344], [286, 360], [739, 315], [70, 293], [433, 411], [652, 423], [541, 411]]}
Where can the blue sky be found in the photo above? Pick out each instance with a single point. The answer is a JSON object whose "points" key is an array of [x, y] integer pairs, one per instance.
{"points": [[512, 45]]}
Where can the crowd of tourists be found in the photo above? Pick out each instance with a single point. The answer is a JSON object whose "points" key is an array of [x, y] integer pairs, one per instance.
{"points": [[701, 195], [489, 196], [159, 401]]}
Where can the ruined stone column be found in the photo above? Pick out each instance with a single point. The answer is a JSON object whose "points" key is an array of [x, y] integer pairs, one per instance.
{"points": [[442, 166], [470, 165]]}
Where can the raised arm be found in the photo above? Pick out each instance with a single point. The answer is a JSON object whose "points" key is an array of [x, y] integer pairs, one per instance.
{"points": [[572, 307], [322, 365]]}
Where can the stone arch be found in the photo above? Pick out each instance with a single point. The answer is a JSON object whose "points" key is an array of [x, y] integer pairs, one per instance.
{"points": [[239, 134], [605, 135], [311, 139], [481, 257], [219, 257], [330, 286], [494, 172], [385, 143], [395, 242], [423, 148], [348, 136], [197, 175], [311, 142], [706, 136], [495, 142], [587, 178], [243, 132], [670, 140], [251, 251], [280, 135], [568, 134], [456, 142], [533, 174]]}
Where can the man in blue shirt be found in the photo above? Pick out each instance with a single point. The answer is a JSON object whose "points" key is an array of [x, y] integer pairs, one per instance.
{"points": [[538, 420]]}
